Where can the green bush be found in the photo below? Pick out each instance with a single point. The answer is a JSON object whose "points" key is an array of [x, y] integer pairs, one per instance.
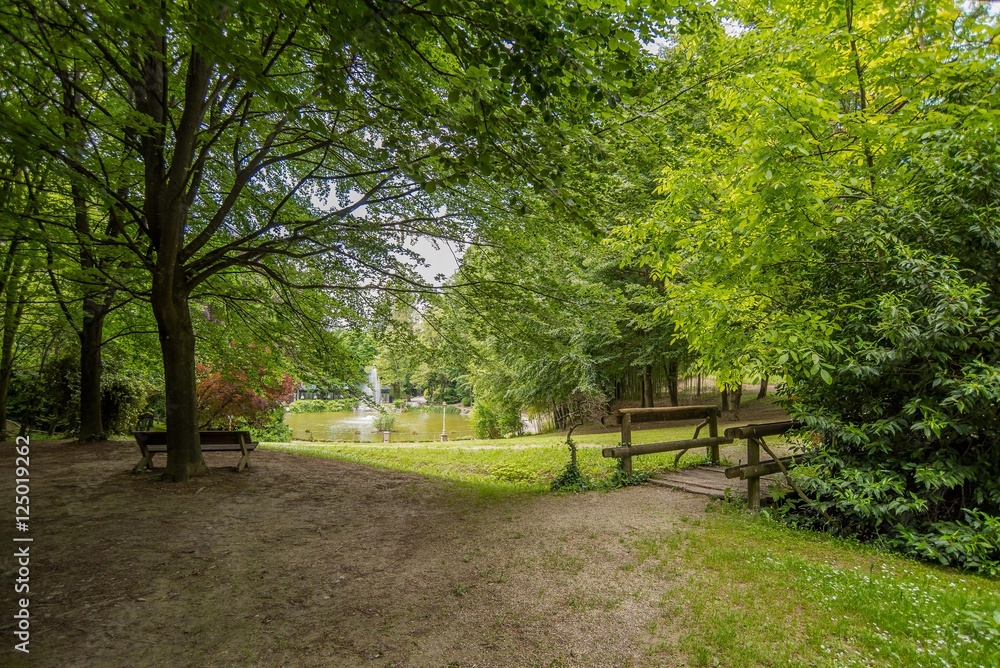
{"points": [[384, 421], [490, 421], [50, 399], [273, 429], [909, 419], [322, 405], [571, 479], [123, 398]]}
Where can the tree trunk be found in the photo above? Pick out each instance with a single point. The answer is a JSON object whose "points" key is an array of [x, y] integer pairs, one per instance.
{"points": [[697, 391], [763, 388], [725, 397], [737, 396], [91, 370], [647, 386], [96, 304], [672, 383], [13, 311], [173, 319]]}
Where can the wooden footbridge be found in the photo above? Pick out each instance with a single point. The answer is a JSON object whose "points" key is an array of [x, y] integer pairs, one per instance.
{"points": [[712, 480]]}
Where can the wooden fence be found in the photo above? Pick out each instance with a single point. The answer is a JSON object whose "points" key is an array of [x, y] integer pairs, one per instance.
{"points": [[751, 471], [626, 417]]}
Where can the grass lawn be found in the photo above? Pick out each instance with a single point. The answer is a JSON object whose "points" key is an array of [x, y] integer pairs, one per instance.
{"points": [[526, 463], [743, 591], [761, 594]]}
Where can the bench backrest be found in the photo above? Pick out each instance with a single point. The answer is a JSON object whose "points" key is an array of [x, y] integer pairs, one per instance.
{"points": [[224, 437], [207, 437]]}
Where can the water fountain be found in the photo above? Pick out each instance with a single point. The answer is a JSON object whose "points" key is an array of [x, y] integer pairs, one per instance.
{"points": [[373, 388]]}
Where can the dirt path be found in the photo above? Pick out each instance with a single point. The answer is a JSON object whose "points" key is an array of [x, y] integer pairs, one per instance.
{"points": [[305, 561]]}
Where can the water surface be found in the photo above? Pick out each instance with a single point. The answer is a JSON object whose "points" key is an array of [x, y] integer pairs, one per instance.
{"points": [[357, 426]]}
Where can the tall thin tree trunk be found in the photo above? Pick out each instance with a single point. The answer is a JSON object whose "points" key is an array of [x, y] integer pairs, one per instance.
{"points": [[697, 391], [737, 396], [13, 311], [91, 370], [724, 392], [672, 383], [647, 386], [96, 299], [763, 388]]}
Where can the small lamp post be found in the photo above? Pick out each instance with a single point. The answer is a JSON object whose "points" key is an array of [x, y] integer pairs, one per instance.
{"points": [[444, 434]]}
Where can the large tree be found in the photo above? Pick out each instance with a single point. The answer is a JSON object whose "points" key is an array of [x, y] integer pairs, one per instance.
{"points": [[241, 136]]}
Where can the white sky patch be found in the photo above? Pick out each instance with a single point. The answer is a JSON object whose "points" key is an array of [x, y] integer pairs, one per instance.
{"points": [[440, 260]]}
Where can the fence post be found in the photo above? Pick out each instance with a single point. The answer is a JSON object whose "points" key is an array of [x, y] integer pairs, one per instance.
{"points": [[753, 484], [627, 440], [713, 431]]}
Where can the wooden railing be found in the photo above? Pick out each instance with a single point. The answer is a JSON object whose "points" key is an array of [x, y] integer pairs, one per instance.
{"points": [[754, 469], [754, 434], [627, 416]]}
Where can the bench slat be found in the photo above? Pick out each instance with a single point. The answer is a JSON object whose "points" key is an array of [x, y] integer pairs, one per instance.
{"points": [[210, 447], [155, 442]]}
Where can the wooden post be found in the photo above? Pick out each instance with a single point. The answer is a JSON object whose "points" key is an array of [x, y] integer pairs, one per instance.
{"points": [[753, 484], [713, 432], [627, 440]]}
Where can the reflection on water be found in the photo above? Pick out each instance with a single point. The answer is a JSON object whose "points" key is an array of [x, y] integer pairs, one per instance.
{"points": [[355, 426]]}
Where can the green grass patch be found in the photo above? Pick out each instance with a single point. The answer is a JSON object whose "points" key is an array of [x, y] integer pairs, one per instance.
{"points": [[526, 464], [759, 594]]}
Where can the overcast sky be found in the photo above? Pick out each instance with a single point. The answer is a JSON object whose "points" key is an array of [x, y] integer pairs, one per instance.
{"points": [[441, 260]]}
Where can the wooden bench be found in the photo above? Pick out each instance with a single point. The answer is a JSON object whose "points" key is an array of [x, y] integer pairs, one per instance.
{"points": [[154, 442]]}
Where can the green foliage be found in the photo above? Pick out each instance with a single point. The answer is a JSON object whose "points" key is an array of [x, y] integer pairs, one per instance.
{"points": [[430, 408], [123, 398], [384, 421], [47, 399], [828, 223], [571, 479], [322, 405], [619, 478], [272, 428], [493, 421], [516, 473], [908, 455], [177, 129]]}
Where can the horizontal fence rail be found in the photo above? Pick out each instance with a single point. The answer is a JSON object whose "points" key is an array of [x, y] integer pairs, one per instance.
{"points": [[762, 430], [746, 471], [664, 414], [753, 433], [626, 416], [664, 446]]}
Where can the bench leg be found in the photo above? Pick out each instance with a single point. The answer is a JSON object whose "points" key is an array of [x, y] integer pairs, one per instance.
{"points": [[145, 463], [244, 462]]}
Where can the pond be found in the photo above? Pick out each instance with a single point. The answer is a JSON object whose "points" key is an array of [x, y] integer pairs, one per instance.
{"points": [[413, 425]]}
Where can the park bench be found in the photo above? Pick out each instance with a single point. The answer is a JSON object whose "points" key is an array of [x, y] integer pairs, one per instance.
{"points": [[154, 442]]}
